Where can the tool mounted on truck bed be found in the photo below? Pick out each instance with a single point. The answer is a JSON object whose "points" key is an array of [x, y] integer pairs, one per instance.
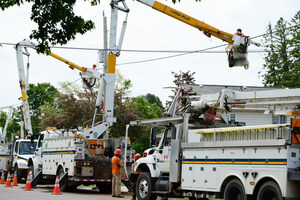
{"points": [[203, 160]]}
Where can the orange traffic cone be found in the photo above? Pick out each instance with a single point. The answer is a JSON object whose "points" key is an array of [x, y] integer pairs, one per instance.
{"points": [[8, 182], [56, 187], [28, 183], [2, 180], [15, 180]]}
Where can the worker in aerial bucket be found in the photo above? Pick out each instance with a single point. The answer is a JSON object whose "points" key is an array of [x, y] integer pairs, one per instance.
{"points": [[116, 166], [239, 32]]}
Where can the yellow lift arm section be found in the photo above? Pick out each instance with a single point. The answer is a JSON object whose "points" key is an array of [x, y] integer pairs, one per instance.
{"points": [[237, 49], [206, 28]]}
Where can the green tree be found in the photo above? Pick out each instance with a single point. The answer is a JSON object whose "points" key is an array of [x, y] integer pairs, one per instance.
{"points": [[282, 60], [38, 95], [3, 117], [145, 110], [71, 109], [56, 21]]}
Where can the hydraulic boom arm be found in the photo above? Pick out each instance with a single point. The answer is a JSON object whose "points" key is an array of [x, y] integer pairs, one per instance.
{"points": [[237, 49], [87, 74], [206, 28]]}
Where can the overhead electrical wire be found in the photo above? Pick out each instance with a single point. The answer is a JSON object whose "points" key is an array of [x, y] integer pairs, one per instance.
{"points": [[157, 51], [182, 53]]}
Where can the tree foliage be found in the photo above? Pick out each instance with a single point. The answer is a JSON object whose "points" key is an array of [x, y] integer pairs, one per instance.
{"points": [[282, 64], [57, 23], [38, 95]]}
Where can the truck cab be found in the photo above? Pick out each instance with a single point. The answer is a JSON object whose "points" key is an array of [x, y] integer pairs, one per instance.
{"points": [[23, 150]]}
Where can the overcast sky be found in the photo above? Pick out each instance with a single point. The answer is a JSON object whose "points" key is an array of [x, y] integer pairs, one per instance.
{"points": [[147, 29]]}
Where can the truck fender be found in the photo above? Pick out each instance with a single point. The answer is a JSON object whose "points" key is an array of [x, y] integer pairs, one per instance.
{"points": [[265, 178], [148, 167], [31, 162], [221, 186], [59, 168]]}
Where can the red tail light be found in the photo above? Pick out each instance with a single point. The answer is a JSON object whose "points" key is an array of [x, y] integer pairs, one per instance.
{"points": [[145, 154]]}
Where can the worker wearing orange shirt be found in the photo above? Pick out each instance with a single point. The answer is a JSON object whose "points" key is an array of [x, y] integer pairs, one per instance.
{"points": [[239, 32], [137, 156], [116, 166]]}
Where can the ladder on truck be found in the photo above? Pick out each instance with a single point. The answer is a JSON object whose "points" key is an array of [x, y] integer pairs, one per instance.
{"points": [[262, 132]]}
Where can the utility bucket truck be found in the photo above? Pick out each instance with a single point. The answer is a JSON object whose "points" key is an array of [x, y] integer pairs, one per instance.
{"points": [[5, 158], [202, 157], [76, 156], [14, 155], [80, 156]]}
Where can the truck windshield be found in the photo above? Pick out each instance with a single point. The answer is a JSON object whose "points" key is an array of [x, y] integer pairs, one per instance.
{"points": [[26, 147]]}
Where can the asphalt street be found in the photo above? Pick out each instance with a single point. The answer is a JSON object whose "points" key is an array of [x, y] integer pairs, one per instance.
{"points": [[43, 192]]}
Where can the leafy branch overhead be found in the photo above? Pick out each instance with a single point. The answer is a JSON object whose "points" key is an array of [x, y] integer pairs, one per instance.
{"points": [[56, 20]]}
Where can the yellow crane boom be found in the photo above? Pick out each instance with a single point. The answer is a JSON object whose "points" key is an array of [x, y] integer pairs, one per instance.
{"points": [[206, 28]]}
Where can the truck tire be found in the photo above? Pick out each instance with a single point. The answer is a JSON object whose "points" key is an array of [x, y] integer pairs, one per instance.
{"points": [[269, 190], [19, 176], [235, 190], [143, 187]]}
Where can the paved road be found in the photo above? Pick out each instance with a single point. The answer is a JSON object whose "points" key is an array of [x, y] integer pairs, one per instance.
{"points": [[43, 192]]}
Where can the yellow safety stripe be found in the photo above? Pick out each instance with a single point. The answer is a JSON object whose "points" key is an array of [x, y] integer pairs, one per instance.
{"points": [[111, 63]]}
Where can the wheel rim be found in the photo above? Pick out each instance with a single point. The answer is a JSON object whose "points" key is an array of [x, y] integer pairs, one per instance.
{"points": [[143, 188]]}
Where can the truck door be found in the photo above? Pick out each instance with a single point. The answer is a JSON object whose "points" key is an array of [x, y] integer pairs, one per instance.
{"points": [[163, 161], [15, 152], [38, 151]]}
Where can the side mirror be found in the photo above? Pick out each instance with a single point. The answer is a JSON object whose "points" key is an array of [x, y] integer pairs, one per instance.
{"points": [[152, 136]]}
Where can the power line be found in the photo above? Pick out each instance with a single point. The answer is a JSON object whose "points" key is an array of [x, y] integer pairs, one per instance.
{"points": [[201, 51], [149, 51]]}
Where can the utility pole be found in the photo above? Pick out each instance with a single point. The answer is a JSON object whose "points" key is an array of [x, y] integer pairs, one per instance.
{"points": [[107, 82]]}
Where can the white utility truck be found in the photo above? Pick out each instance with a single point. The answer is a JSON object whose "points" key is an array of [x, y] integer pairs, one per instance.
{"points": [[23, 150], [80, 156], [84, 161], [14, 155], [200, 156], [4, 155], [4, 146]]}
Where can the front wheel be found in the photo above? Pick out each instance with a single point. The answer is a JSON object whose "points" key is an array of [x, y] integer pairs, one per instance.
{"points": [[235, 190], [143, 187], [269, 190], [19, 175]]}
